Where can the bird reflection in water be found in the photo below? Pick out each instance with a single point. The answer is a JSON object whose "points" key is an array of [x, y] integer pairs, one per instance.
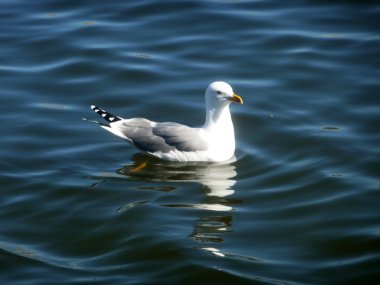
{"points": [[217, 180]]}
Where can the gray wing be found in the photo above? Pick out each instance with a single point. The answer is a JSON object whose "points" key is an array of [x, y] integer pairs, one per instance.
{"points": [[162, 137]]}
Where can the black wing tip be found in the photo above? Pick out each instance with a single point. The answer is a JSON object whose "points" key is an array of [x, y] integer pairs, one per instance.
{"points": [[96, 109], [106, 115]]}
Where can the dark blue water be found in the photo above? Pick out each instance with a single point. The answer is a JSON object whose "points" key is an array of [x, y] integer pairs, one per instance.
{"points": [[299, 205]]}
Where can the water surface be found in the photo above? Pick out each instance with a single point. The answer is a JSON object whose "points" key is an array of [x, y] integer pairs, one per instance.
{"points": [[299, 204]]}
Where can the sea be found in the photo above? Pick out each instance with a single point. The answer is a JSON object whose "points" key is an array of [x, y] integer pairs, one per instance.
{"points": [[299, 203]]}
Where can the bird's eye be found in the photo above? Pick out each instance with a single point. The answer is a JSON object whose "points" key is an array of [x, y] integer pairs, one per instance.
{"points": [[218, 92]]}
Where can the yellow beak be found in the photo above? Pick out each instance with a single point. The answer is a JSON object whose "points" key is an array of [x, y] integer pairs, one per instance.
{"points": [[236, 98]]}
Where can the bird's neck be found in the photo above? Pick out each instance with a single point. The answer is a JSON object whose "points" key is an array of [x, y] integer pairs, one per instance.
{"points": [[218, 118]]}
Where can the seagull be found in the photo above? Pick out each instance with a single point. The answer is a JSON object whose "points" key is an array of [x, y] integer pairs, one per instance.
{"points": [[212, 142]]}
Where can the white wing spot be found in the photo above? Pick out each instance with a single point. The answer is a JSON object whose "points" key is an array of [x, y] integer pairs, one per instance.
{"points": [[111, 118], [104, 115]]}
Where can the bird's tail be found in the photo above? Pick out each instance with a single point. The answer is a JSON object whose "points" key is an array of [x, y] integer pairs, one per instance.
{"points": [[107, 116]]}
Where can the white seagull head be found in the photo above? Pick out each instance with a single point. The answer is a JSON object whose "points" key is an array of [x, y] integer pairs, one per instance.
{"points": [[220, 94]]}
